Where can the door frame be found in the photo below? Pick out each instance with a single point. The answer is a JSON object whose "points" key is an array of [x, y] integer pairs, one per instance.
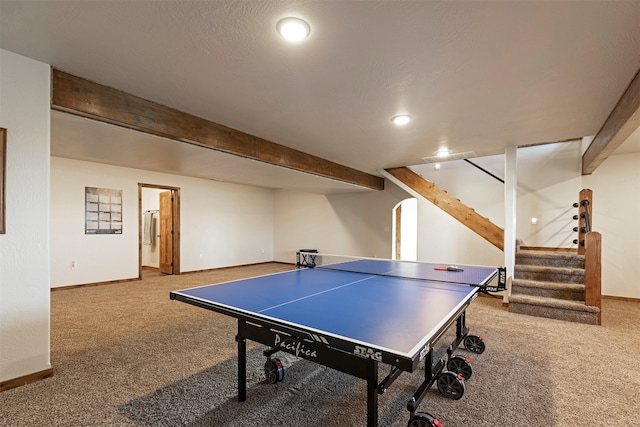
{"points": [[175, 191], [398, 231]]}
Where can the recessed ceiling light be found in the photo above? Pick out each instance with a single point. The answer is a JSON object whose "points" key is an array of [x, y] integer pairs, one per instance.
{"points": [[401, 119], [443, 152], [293, 29]]}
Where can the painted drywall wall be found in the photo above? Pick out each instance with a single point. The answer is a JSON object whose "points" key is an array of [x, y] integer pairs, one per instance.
{"points": [[442, 239], [354, 224], [231, 224], [549, 181], [361, 224], [615, 211], [24, 249], [221, 224]]}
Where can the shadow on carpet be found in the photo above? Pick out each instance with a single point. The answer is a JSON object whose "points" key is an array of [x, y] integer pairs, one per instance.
{"points": [[314, 395]]}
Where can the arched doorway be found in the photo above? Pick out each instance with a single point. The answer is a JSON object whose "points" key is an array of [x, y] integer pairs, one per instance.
{"points": [[405, 230]]}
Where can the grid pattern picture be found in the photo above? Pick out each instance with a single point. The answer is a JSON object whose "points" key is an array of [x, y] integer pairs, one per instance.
{"points": [[103, 211]]}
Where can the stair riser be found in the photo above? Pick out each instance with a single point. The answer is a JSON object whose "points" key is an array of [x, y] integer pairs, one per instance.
{"points": [[547, 276], [548, 293], [550, 262], [554, 313]]}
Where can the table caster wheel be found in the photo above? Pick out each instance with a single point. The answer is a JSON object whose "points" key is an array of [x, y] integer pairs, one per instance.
{"points": [[474, 344], [273, 370], [460, 365], [451, 385], [423, 419]]}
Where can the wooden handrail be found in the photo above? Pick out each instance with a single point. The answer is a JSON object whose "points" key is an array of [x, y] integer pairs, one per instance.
{"points": [[593, 271]]}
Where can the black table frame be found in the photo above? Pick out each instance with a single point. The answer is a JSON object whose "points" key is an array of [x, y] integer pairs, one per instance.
{"points": [[340, 354]]}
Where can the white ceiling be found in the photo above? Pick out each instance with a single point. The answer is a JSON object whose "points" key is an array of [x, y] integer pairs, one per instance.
{"points": [[478, 76]]}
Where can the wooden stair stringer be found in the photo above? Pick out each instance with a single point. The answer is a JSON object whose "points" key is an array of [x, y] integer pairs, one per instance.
{"points": [[416, 185]]}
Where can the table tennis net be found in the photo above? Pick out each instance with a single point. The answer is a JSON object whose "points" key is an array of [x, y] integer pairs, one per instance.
{"points": [[487, 277]]}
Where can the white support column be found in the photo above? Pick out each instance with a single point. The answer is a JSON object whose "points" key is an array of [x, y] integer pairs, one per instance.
{"points": [[510, 200]]}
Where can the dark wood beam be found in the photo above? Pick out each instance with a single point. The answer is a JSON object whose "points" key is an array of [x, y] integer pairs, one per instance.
{"points": [[88, 99], [621, 123]]}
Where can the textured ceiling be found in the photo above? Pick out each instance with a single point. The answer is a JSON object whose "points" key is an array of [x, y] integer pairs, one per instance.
{"points": [[477, 76]]}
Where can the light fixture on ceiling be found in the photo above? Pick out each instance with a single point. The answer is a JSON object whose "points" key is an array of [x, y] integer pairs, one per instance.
{"points": [[443, 152], [293, 29], [437, 166], [401, 119]]}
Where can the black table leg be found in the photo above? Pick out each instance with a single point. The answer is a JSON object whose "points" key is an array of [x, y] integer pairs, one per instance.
{"points": [[242, 365], [372, 393]]}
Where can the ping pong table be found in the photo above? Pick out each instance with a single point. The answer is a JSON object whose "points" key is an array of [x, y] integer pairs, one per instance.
{"points": [[353, 314]]}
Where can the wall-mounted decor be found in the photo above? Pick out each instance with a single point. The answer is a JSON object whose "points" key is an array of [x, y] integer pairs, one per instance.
{"points": [[3, 162], [103, 211]]}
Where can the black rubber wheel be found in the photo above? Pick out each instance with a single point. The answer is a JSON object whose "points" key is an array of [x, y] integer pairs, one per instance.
{"points": [[273, 370], [451, 385], [460, 365], [474, 344], [423, 419]]}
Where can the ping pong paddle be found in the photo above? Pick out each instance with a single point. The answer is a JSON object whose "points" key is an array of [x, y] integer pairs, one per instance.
{"points": [[448, 268]]}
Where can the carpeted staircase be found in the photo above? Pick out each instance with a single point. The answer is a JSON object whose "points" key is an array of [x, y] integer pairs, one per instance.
{"points": [[550, 284]]}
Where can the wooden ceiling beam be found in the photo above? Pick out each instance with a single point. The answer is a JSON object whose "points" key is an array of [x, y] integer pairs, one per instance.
{"points": [[81, 97], [621, 123]]}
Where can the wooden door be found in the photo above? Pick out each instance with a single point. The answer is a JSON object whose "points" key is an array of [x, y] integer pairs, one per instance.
{"points": [[166, 232]]}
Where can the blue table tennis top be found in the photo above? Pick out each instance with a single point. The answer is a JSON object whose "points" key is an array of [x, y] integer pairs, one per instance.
{"points": [[396, 314]]}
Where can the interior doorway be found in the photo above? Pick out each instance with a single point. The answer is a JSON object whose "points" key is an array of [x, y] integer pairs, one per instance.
{"points": [[404, 237], [159, 230]]}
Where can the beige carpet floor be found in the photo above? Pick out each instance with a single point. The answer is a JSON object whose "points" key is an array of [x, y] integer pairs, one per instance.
{"points": [[125, 355]]}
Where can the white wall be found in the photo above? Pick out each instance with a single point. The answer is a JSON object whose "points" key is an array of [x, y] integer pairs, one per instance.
{"points": [[24, 249], [616, 214], [221, 224], [230, 224], [442, 239], [356, 224], [360, 224], [549, 182]]}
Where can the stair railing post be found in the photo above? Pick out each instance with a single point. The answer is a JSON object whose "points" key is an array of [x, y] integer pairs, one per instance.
{"points": [[585, 195], [593, 271]]}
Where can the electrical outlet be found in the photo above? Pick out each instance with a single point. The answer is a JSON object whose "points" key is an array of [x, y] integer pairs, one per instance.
{"points": [[74, 265], [262, 250]]}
